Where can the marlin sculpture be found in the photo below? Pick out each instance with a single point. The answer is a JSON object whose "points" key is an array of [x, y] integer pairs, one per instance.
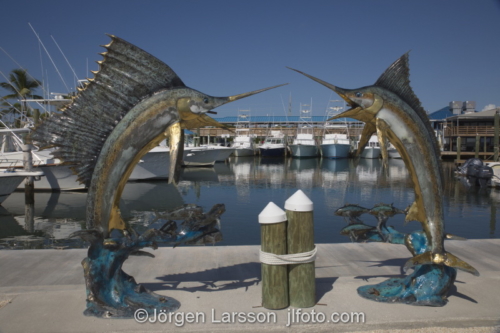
{"points": [[134, 102], [391, 108]]}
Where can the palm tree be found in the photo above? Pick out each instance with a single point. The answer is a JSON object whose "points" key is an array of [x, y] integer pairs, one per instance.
{"points": [[21, 87]]}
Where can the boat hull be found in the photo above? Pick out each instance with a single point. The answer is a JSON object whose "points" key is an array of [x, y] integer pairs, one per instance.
{"points": [[304, 151], [335, 150], [393, 153], [242, 152], [272, 152], [8, 185], [370, 152]]}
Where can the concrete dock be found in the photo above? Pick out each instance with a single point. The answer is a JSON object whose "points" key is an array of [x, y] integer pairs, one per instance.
{"points": [[44, 291]]}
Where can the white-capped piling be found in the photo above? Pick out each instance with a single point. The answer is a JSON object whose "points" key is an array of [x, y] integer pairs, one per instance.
{"points": [[273, 231], [300, 239]]}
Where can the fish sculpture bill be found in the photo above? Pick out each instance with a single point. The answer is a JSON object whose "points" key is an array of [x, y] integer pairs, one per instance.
{"points": [[394, 111], [133, 103]]}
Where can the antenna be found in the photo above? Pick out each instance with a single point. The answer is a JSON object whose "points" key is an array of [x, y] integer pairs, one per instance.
{"points": [[76, 77], [48, 54]]}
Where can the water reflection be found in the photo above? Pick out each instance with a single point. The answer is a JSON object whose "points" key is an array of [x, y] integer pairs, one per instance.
{"points": [[246, 185]]}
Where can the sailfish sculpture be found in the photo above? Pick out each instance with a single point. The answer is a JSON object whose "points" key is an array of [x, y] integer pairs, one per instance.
{"points": [[133, 103], [390, 108]]}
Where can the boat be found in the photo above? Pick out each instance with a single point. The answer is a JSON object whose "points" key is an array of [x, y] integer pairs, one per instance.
{"points": [[495, 179], [274, 145], [393, 152], [220, 153], [205, 155], [156, 163], [10, 179], [243, 144], [304, 145], [335, 145], [57, 177], [372, 149]]}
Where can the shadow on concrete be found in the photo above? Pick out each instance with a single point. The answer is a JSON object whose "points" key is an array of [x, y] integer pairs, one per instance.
{"points": [[226, 278], [216, 279], [323, 286], [454, 292]]}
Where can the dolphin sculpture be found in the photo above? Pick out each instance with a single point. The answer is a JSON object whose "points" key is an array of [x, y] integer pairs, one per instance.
{"points": [[133, 103], [394, 111]]}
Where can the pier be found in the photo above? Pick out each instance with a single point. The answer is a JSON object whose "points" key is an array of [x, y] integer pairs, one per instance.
{"points": [[43, 290]]}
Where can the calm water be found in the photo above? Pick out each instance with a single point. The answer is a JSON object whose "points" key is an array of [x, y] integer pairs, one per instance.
{"points": [[246, 185]]}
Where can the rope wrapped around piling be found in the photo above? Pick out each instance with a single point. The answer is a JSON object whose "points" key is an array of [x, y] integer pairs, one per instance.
{"points": [[287, 259]]}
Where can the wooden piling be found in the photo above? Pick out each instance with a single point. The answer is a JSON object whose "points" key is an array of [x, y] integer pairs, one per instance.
{"points": [[495, 139], [459, 147], [478, 139], [300, 239], [29, 190], [273, 231]]}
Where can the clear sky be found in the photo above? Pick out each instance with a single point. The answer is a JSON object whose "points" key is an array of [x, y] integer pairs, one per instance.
{"points": [[228, 47]]}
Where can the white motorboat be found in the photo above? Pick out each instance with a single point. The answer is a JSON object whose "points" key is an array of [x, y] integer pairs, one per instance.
{"points": [[10, 179], [335, 146], [273, 145], [372, 149], [495, 179], [393, 152], [304, 145], [57, 177], [243, 144]]}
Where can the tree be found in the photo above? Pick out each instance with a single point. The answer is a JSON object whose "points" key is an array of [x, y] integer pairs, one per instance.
{"points": [[21, 87]]}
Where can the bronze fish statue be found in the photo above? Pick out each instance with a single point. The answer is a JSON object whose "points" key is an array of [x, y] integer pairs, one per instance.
{"points": [[391, 108], [133, 103]]}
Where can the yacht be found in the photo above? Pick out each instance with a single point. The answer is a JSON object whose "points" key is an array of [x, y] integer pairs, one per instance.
{"points": [[372, 149], [243, 144], [10, 179], [335, 145], [304, 145], [273, 145]]}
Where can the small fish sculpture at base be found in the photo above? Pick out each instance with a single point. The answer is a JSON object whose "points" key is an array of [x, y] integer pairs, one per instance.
{"points": [[112, 293], [428, 285]]}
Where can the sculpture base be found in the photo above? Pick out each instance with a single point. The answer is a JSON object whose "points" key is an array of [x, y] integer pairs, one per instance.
{"points": [[112, 293], [428, 285]]}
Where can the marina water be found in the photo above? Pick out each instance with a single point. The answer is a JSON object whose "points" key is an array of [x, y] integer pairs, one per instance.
{"points": [[246, 185]]}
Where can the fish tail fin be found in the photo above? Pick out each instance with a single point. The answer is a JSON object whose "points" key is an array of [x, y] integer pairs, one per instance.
{"points": [[450, 260], [455, 262]]}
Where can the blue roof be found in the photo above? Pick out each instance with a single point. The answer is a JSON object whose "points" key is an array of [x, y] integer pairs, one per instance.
{"points": [[441, 114], [279, 119]]}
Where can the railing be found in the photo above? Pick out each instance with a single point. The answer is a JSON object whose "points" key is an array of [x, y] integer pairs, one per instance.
{"points": [[288, 131], [469, 131]]}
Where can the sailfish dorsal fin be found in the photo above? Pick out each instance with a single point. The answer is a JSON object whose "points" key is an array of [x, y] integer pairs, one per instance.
{"points": [[126, 75], [396, 79]]}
